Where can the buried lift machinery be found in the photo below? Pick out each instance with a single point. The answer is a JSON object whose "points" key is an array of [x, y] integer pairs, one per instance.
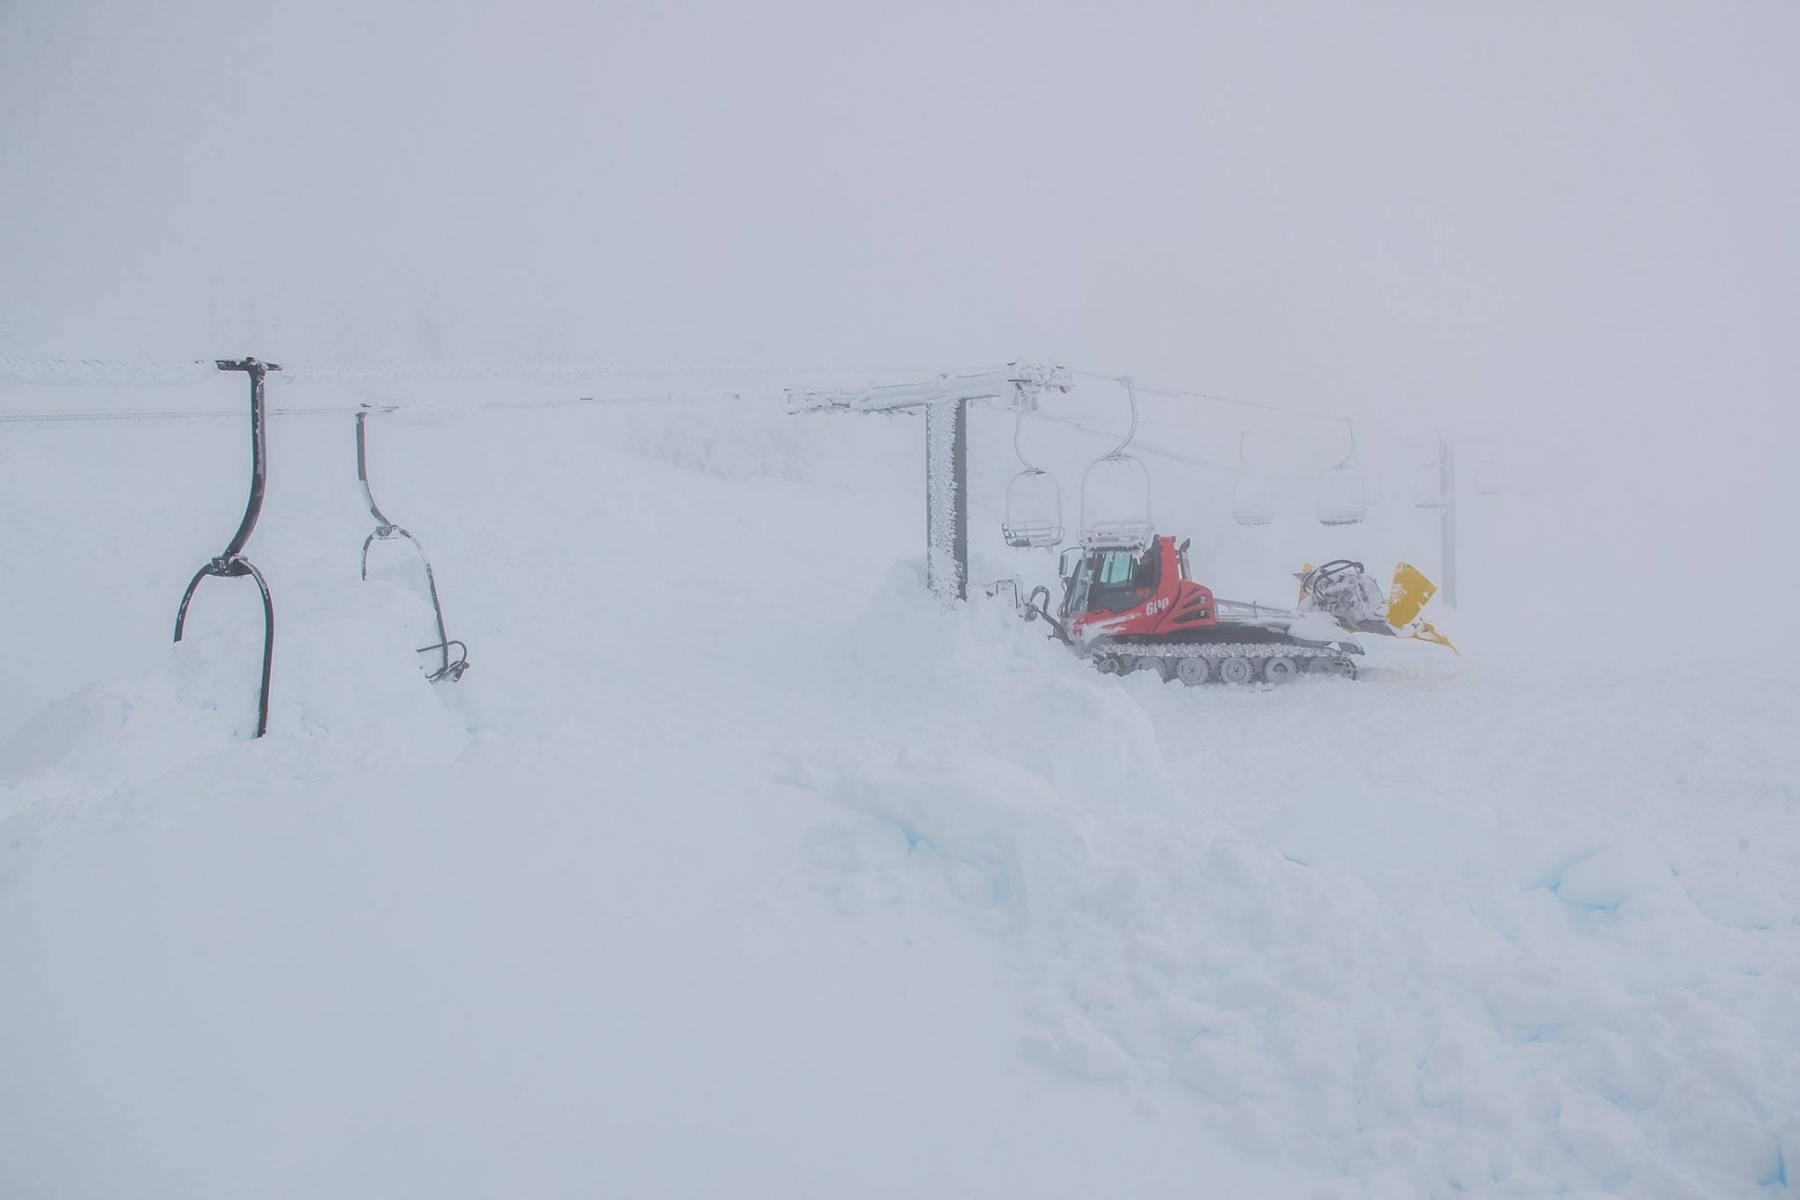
{"points": [[232, 564], [449, 668]]}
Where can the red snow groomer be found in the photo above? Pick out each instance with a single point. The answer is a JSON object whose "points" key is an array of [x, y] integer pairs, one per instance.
{"points": [[1130, 603]]}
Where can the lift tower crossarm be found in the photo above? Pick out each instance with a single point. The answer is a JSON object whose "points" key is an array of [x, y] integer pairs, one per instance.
{"points": [[946, 402], [1018, 384]]}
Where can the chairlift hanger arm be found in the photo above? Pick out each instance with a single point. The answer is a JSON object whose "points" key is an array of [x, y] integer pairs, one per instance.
{"points": [[259, 452], [1018, 444], [1131, 395], [362, 473]]}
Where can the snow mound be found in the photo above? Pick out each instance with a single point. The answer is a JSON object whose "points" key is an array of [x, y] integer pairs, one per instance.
{"points": [[350, 698], [1482, 1037]]}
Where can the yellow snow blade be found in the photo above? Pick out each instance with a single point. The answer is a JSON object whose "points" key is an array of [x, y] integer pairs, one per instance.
{"points": [[1305, 570], [1409, 595], [1406, 599], [1425, 633]]}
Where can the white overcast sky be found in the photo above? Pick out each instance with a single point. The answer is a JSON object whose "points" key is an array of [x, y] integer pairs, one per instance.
{"points": [[1519, 215]]}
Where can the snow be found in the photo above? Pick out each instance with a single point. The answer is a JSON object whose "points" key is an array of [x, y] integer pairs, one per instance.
{"points": [[739, 865]]}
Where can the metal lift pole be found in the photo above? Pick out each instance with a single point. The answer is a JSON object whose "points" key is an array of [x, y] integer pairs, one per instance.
{"points": [[946, 404], [946, 492]]}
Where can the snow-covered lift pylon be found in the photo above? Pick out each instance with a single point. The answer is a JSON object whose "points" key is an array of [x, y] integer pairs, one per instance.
{"points": [[946, 404], [385, 530], [232, 564]]}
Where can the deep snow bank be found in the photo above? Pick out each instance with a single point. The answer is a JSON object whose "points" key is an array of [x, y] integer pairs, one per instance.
{"points": [[1344, 923], [736, 865]]}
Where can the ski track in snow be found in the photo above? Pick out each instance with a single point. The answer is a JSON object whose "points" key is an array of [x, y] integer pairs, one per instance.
{"points": [[733, 837]]}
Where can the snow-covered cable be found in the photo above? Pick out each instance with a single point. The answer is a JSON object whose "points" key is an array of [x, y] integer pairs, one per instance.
{"points": [[132, 373], [1174, 392], [89, 372], [31, 418], [357, 372], [166, 414], [1153, 451]]}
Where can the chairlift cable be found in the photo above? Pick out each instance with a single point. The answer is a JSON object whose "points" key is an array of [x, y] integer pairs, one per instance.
{"points": [[49, 418], [1153, 451], [169, 373], [1189, 393]]}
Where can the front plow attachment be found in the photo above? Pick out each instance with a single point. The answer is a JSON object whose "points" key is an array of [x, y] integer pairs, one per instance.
{"points": [[1407, 598]]}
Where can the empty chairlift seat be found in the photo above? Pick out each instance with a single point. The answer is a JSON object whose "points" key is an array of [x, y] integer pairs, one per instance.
{"points": [[1252, 500], [1115, 492], [1252, 496], [1115, 502], [1033, 511], [1431, 481], [1343, 495], [1343, 498], [1033, 503]]}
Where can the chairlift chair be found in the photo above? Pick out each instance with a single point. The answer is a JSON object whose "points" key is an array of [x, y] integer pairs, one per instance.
{"points": [[1115, 493], [1431, 482], [1252, 499], [1490, 480], [1343, 496], [1033, 504]]}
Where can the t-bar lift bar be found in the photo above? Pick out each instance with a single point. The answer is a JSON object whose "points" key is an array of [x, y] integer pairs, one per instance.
{"points": [[232, 563], [449, 669]]}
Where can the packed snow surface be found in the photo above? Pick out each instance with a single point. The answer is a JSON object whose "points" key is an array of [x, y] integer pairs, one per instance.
{"points": [[739, 866]]}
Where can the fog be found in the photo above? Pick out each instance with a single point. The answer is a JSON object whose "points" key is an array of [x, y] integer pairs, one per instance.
{"points": [[1569, 227]]}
